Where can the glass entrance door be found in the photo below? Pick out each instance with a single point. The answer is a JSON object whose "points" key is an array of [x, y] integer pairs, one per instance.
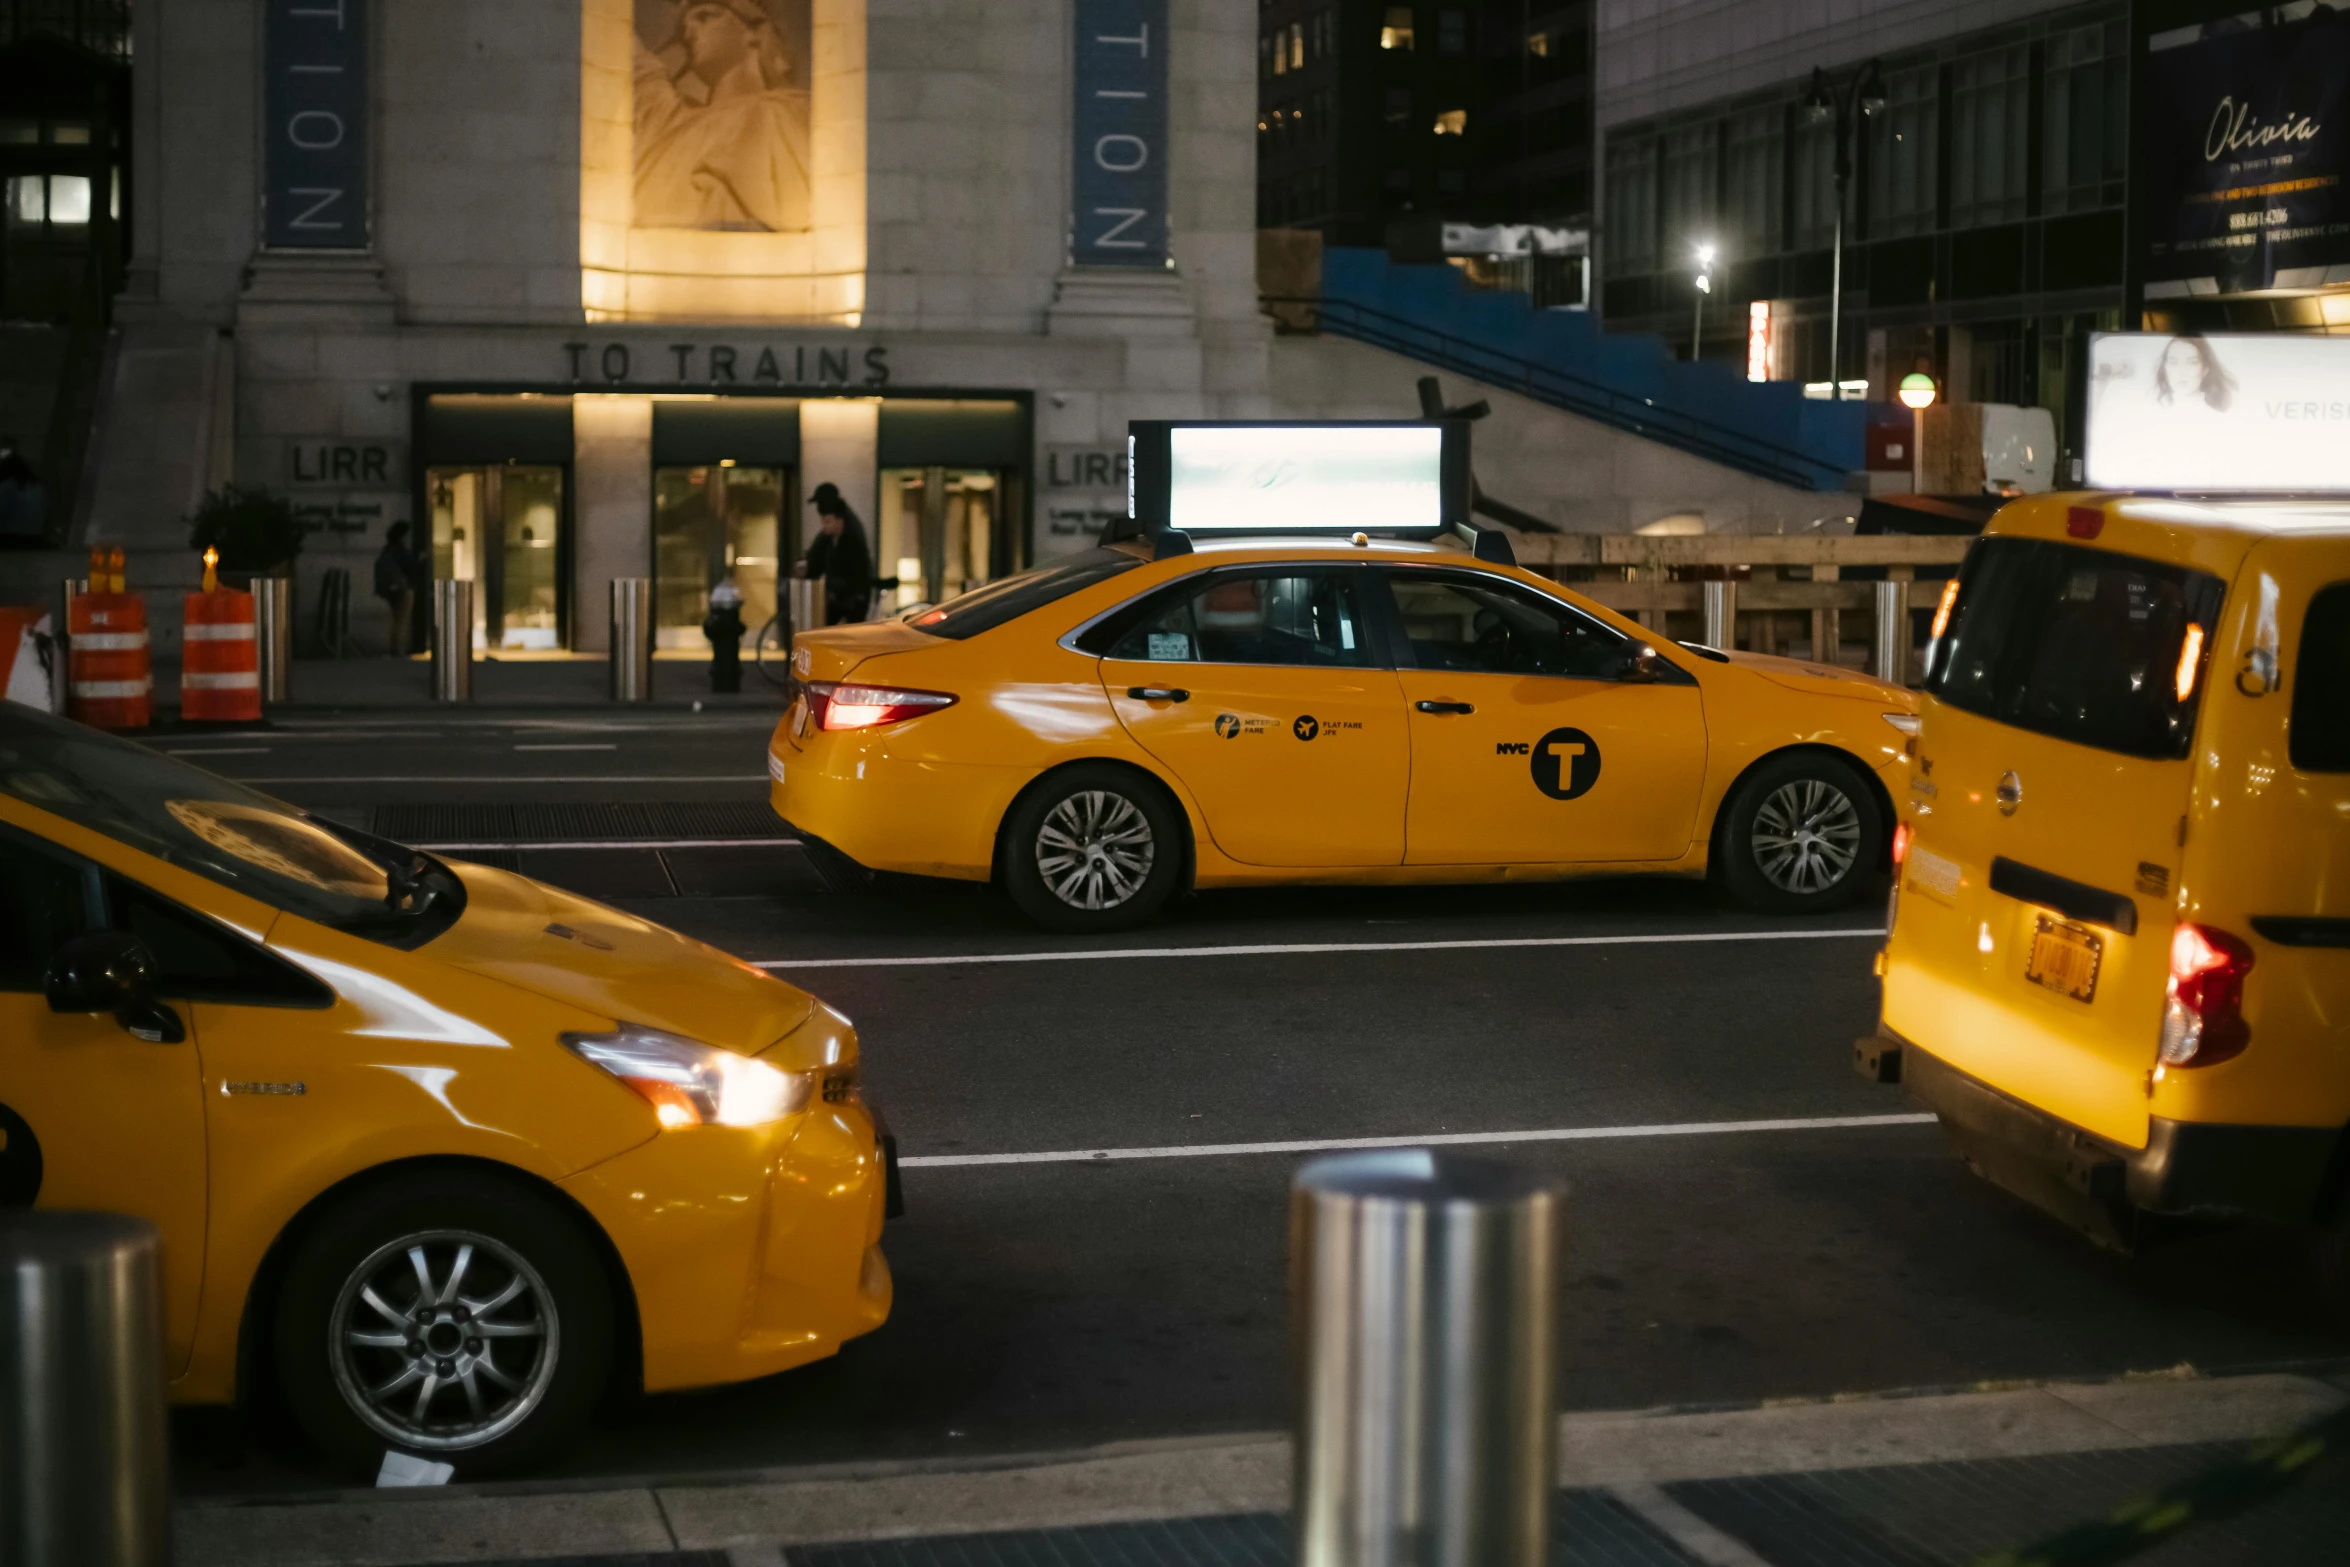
{"points": [[504, 530], [711, 522], [940, 533]]}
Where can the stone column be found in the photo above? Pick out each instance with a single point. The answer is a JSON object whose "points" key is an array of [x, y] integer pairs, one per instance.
{"points": [[612, 472], [840, 444]]}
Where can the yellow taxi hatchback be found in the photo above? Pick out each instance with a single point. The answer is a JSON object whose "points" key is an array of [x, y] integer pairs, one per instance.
{"points": [[1101, 734], [442, 1151], [2119, 967]]}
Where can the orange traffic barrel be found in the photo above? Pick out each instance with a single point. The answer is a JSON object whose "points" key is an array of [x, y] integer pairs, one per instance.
{"points": [[220, 666], [112, 686]]}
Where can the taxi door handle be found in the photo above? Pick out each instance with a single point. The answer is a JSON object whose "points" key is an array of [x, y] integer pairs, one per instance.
{"points": [[1444, 707], [1158, 694]]}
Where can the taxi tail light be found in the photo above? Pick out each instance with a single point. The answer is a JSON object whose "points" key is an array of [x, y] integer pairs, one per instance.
{"points": [[837, 704], [2203, 1008], [689, 1083]]}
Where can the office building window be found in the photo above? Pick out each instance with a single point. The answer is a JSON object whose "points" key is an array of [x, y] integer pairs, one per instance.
{"points": [[1692, 179], [1297, 46], [1755, 183], [1395, 28], [2085, 128], [1990, 113], [1901, 156], [1452, 32], [1812, 171], [1631, 206], [1398, 106], [1452, 122]]}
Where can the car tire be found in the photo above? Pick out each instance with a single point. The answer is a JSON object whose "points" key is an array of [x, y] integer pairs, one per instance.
{"points": [[1094, 847], [2330, 1252], [518, 1351], [1801, 834]]}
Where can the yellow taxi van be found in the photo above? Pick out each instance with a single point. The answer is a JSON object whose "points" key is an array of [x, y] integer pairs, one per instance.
{"points": [[2118, 967], [441, 1151]]}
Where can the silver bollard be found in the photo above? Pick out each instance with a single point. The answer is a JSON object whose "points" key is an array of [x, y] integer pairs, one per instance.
{"points": [[1892, 653], [273, 632], [632, 639], [804, 603], [1721, 615], [84, 1460], [452, 640], [1424, 1299]]}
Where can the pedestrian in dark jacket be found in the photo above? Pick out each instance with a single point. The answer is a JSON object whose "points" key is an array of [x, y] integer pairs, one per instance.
{"points": [[395, 584], [841, 557]]}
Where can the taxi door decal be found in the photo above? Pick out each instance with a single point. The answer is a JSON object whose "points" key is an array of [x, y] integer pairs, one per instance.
{"points": [[1566, 763]]}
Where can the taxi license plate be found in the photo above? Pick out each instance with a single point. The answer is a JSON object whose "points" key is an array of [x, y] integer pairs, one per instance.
{"points": [[2065, 958]]}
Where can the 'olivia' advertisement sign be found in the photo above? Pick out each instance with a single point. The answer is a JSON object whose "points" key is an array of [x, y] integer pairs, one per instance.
{"points": [[2246, 143]]}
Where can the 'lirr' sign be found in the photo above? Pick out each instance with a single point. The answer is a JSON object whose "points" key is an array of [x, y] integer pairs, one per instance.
{"points": [[314, 141], [1119, 183]]}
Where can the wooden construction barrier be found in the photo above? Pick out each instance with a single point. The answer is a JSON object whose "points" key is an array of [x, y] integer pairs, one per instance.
{"points": [[220, 667], [113, 686]]}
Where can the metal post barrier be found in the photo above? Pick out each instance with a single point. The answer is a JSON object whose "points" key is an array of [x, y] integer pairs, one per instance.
{"points": [[84, 1462], [273, 635], [1891, 664], [61, 673], [804, 606], [452, 640], [1425, 1302], [632, 639], [1721, 615]]}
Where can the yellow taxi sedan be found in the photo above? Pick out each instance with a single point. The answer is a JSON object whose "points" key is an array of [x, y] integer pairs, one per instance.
{"points": [[441, 1150], [1103, 733]]}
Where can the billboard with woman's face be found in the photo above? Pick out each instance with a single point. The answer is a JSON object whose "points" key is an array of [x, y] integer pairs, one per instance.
{"points": [[720, 114], [2249, 411]]}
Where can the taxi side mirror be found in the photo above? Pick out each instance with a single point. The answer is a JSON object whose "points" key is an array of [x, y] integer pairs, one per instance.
{"points": [[112, 971], [1641, 666]]}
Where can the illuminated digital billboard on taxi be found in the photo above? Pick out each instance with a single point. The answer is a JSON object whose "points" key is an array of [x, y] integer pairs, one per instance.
{"points": [[1284, 478], [2247, 411]]}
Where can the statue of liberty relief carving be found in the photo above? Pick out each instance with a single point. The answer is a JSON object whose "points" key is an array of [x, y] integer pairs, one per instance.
{"points": [[721, 114]]}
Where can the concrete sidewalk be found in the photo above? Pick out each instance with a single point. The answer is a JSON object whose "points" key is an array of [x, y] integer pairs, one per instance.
{"points": [[1902, 1480]]}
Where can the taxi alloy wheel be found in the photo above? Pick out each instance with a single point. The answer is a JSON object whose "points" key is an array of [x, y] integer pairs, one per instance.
{"points": [[1095, 850], [1092, 847], [1806, 836], [455, 1316], [417, 1336], [1801, 833]]}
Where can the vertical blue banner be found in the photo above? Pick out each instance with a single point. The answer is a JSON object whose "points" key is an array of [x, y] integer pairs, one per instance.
{"points": [[314, 136], [1118, 184]]}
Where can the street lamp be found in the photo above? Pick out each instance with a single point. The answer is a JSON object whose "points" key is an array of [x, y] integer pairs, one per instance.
{"points": [[1847, 105], [1917, 390], [1705, 286]]}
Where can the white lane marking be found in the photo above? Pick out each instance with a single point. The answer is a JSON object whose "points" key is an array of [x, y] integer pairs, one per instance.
{"points": [[1566, 1134], [598, 746], [608, 843], [559, 778], [1288, 949], [1684, 1528], [241, 750]]}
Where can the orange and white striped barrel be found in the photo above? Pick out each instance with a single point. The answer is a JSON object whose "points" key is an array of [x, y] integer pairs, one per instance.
{"points": [[112, 686], [220, 664]]}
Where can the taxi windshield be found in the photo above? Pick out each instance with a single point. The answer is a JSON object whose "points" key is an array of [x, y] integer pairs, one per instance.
{"points": [[268, 850], [984, 609]]}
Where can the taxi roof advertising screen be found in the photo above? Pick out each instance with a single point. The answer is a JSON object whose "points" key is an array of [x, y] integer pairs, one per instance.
{"points": [[2264, 411], [1285, 478]]}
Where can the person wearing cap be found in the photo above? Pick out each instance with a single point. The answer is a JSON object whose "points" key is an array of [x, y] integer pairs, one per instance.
{"points": [[840, 556]]}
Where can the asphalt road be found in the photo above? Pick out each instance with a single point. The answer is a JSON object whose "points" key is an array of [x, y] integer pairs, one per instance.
{"points": [[1059, 1302]]}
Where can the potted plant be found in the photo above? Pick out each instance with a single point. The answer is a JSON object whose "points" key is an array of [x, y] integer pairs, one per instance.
{"points": [[255, 530]]}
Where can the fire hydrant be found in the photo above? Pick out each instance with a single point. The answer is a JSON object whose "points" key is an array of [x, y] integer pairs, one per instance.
{"points": [[724, 628]]}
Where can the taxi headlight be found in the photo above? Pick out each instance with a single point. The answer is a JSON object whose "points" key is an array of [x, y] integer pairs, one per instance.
{"points": [[689, 1083]]}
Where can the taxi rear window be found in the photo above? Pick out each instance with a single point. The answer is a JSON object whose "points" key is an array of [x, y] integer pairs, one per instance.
{"points": [[2321, 685], [2098, 648], [985, 608]]}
